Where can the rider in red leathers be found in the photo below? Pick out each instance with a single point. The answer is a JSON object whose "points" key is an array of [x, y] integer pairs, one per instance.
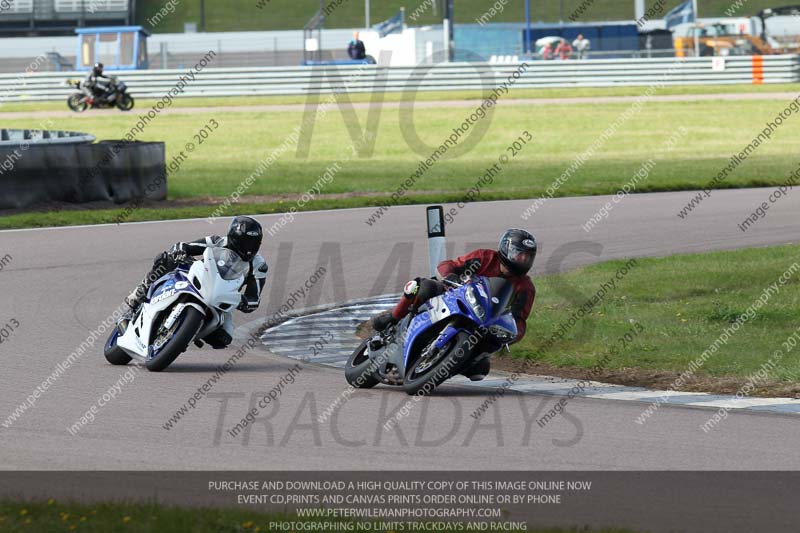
{"points": [[512, 260]]}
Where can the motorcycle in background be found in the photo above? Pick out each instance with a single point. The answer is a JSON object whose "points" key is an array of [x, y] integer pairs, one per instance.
{"points": [[117, 96]]}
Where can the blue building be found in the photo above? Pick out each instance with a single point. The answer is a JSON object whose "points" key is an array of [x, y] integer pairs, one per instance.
{"points": [[118, 48]]}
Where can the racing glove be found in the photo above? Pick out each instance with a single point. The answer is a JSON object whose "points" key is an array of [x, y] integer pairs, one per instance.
{"points": [[452, 278]]}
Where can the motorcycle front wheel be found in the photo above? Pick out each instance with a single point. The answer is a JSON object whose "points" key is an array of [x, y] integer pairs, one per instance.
{"points": [[168, 345], [434, 366], [125, 102], [77, 103]]}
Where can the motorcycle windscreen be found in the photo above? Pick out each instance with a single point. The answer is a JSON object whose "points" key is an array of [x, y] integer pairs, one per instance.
{"points": [[500, 289], [229, 265]]}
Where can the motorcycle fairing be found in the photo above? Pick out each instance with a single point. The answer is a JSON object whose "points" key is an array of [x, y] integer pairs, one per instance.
{"points": [[492, 297], [162, 294]]}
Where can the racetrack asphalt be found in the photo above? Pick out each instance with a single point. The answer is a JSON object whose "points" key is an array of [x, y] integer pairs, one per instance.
{"points": [[61, 283]]}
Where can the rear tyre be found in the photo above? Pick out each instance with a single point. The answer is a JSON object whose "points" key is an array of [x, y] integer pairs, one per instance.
{"points": [[114, 354], [357, 370], [125, 102], [431, 369], [187, 326], [77, 103]]}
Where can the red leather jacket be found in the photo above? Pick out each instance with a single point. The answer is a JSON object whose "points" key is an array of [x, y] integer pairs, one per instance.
{"points": [[487, 263]]}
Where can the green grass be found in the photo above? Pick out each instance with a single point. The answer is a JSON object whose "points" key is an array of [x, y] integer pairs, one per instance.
{"points": [[560, 131], [233, 15], [143, 518], [123, 214], [59, 517], [219, 165], [514, 94], [683, 303]]}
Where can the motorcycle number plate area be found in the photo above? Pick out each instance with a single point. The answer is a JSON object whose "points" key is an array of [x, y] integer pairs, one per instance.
{"points": [[438, 309], [163, 296]]}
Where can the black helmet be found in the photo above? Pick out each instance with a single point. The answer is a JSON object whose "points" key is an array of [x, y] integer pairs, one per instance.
{"points": [[98, 69], [244, 237], [517, 251]]}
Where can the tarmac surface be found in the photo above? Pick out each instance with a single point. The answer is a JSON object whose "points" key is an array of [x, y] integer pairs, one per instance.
{"points": [[60, 284]]}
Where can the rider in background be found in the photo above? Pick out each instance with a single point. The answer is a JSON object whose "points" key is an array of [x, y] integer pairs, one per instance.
{"points": [[97, 84], [244, 237], [512, 260]]}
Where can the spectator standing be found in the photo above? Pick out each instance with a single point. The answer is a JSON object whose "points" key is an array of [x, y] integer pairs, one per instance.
{"points": [[563, 50], [582, 46], [356, 48]]}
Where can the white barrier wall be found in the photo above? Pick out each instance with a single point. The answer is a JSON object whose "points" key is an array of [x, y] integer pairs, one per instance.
{"points": [[367, 78]]}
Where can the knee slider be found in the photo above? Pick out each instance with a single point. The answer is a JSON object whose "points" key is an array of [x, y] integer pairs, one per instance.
{"points": [[411, 289], [219, 339]]}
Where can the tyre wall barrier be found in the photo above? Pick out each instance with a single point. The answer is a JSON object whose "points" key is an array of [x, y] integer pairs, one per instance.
{"points": [[116, 171]]}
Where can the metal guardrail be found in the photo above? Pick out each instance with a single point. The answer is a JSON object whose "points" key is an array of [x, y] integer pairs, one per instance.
{"points": [[465, 76], [27, 7]]}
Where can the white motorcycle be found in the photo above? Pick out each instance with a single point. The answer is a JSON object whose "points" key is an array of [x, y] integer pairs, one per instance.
{"points": [[182, 306]]}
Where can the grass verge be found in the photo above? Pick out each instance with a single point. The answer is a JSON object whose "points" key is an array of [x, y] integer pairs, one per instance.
{"points": [[426, 96], [239, 15], [52, 516], [672, 309], [243, 140], [76, 216]]}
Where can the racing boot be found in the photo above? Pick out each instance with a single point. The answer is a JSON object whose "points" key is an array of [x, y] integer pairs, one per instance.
{"points": [[134, 301], [478, 370], [383, 322]]}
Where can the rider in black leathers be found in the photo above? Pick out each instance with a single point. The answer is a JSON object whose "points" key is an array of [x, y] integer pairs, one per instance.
{"points": [[244, 237], [97, 85]]}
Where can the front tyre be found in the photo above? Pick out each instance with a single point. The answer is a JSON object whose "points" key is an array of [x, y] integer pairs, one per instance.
{"points": [[114, 354], [175, 341], [434, 366], [77, 102], [125, 102], [357, 370]]}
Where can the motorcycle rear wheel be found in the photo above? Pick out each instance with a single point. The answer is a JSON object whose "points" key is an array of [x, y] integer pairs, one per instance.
{"points": [[357, 371], [77, 103], [125, 102], [189, 324]]}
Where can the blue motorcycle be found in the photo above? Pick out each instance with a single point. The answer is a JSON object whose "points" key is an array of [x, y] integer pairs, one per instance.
{"points": [[447, 334]]}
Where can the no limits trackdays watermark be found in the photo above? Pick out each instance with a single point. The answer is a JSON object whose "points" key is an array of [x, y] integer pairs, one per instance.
{"points": [[279, 427]]}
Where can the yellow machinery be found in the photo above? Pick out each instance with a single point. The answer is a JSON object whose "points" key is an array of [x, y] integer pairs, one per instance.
{"points": [[740, 37]]}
